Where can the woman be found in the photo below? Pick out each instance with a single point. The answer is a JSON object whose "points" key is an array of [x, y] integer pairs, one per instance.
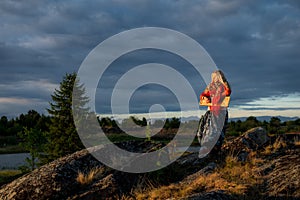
{"points": [[211, 130]]}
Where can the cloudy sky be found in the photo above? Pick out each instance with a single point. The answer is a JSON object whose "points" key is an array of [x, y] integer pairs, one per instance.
{"points": [[255, 43]]}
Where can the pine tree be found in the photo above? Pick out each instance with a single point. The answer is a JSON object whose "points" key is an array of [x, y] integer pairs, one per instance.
{"points": [[33, 141], [62, 136]]}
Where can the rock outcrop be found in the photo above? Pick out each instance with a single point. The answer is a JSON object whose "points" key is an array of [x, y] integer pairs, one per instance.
{"points": [[284, 178], [57, 180]]}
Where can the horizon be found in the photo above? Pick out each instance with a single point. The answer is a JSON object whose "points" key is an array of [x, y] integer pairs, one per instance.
{"points": [[184, 115], [233, 113]]}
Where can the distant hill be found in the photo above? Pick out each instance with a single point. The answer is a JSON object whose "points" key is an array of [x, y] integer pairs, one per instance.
{"points": [[259, 118], [196, 118], [265, 118]]}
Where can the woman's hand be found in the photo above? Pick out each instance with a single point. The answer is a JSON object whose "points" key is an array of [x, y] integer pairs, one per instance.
{"points": [[206, 100]]}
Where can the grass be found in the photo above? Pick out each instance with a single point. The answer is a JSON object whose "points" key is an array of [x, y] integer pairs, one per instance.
{"points": [[297, 141], [120, 137], [7, 176], [279, 143], [238, 172], [212, 181], [232, 176], [85, 179], [12, 149], [276, 146]]}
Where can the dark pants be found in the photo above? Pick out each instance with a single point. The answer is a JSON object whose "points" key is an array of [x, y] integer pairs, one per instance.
{"points": [[211, 129]]}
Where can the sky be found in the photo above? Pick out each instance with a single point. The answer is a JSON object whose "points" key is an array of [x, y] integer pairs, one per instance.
{"points": [[255, 43]]}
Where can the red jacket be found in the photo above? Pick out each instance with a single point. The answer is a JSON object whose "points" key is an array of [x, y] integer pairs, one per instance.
{"points": [[216, 92]]}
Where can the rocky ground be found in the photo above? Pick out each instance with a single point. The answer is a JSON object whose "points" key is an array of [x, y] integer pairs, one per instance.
{"points": [[252, 166]]}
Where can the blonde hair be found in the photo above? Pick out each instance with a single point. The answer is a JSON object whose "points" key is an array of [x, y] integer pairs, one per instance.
{"points": [[220, 77]]}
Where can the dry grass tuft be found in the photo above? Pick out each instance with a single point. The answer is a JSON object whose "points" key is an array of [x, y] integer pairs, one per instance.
{"points": [[124, 197], [254, 159], [268, 150], [85, 179], [297, 141], [240, 173], [277, 145], [209, 182], [233, 177]]}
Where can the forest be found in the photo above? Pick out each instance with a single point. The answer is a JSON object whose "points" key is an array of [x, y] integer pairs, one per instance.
{"points": [[11, 130]]}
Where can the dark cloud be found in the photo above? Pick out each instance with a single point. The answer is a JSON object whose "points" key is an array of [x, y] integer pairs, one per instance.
{"points": [[254, 43]]}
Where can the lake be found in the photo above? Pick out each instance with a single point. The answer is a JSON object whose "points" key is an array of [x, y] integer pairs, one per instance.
{"points": [[13, 161]]}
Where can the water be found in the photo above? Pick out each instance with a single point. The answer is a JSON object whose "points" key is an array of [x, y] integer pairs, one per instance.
{"points": [[13, 161]]}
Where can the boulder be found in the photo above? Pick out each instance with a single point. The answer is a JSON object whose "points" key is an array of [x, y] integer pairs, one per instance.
{"points": [[252, 140], [255, 138]]}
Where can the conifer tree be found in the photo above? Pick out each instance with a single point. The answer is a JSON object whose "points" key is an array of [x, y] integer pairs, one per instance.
{"points": [[33, 141], [62, 136]]}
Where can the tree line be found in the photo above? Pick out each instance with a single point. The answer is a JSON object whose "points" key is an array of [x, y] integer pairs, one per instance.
{"points": [[273, 126]]}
